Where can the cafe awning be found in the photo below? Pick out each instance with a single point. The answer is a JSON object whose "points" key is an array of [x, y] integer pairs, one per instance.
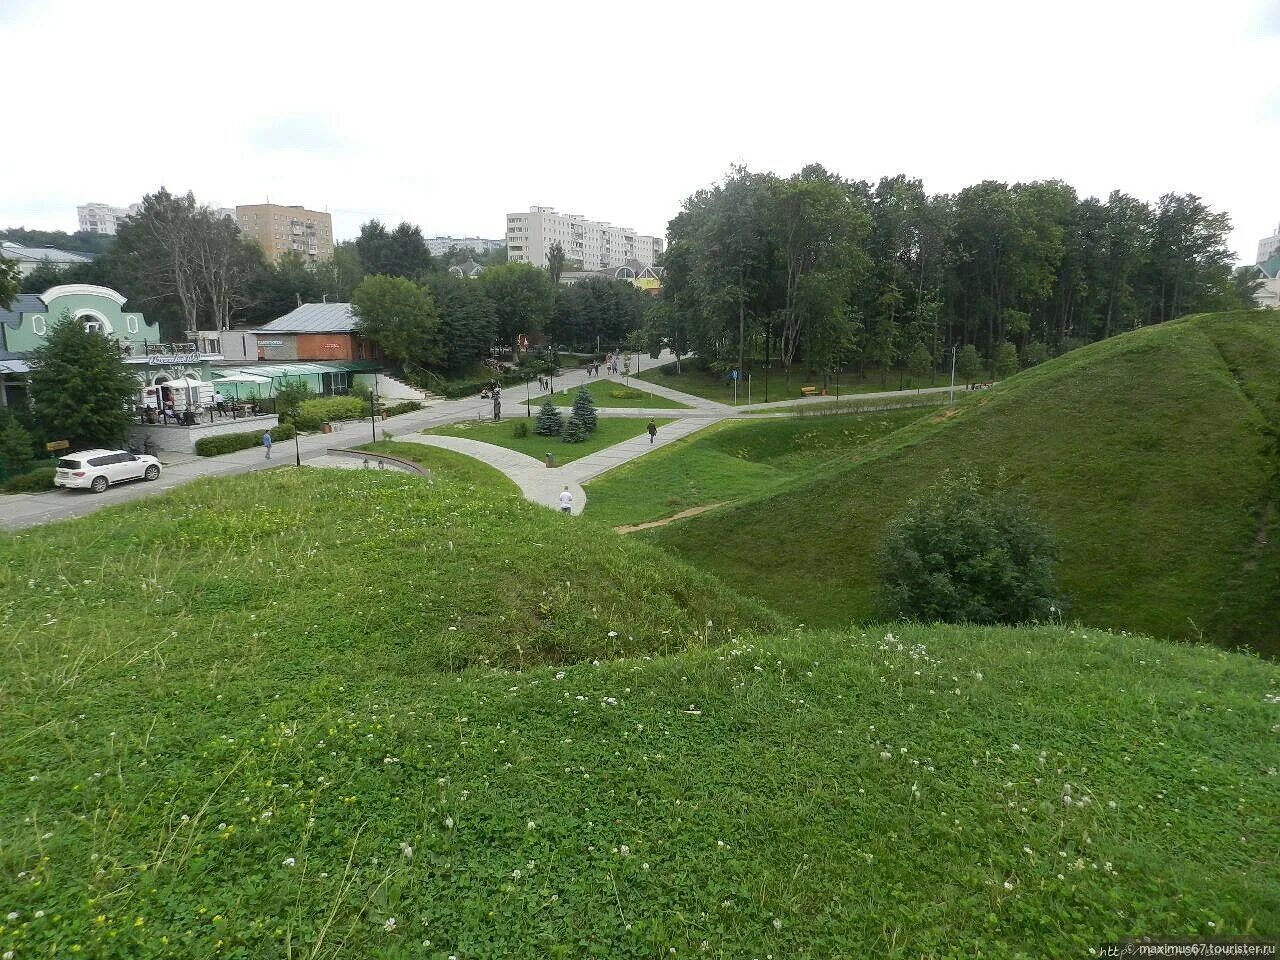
{"points": [[240, 377]]}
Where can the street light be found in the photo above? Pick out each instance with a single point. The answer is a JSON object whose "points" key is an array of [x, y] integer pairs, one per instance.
{"points": [[297, 450], [952, 396], [373, 411]]}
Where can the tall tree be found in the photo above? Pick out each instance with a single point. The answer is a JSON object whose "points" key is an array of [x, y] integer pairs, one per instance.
{"points": [[468, 320], [80, 391], [555, 262], [9, 285], [401, 252], [522, 297], [400, 317]]}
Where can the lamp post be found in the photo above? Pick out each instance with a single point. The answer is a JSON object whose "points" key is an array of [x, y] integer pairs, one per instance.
{"points": [[528, 401], [297, 450], [952, 395], [373, 412]]}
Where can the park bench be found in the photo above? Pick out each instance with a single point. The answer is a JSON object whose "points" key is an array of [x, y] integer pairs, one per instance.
{"points": [[808, 391]]}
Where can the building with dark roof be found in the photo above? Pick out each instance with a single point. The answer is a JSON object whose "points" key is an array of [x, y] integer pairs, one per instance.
{"points": [[468, 269], [29, 258], [315, 331]]}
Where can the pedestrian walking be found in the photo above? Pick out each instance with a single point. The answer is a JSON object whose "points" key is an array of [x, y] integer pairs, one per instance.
{"points": [[266, 442], [566, 500], [653, 431]]}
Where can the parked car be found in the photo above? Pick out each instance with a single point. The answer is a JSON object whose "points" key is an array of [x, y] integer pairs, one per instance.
{"points": [[98, 469]]}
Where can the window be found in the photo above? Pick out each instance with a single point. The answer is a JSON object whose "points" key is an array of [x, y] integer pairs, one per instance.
{"points": [[68, 464]]}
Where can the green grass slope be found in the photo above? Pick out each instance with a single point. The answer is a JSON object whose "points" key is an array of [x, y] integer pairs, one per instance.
{"points": [[370, 567], [730, 461], [609, 431], [1147, 454], [944, 792]]}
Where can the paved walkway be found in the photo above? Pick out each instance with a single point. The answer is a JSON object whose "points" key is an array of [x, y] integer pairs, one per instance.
{"points": [[539, 485]]}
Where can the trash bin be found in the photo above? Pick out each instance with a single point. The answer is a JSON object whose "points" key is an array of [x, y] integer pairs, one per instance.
{"points": [[551, 459]]}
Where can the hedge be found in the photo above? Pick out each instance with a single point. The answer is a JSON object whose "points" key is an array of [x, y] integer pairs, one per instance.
{"points": [[329, 409], [231, 442], [33, 482], [404, 406]]}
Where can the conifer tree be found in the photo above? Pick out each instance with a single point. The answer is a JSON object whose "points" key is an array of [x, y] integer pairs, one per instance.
{"points": [[549, 423], [584, 409], [575, 430]]}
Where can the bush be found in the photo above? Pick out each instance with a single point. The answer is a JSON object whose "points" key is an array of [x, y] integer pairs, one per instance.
{"points": [[15, 448], [231, 442], [626, 393], [404, 406], [961, 553], [549, 423], [520, 429], [312, 413], [468, 386], [33, 482], [575, 431]]}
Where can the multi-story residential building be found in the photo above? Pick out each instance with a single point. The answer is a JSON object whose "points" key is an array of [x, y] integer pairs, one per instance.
{"points": [[596, 245], [438, 246], [1269, 247], [102, 217], [279, 230]]}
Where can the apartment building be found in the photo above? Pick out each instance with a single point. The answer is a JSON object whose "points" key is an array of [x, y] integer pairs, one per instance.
{"points": [[439, 246], [103, 217], [597, 245], [281, 229]]}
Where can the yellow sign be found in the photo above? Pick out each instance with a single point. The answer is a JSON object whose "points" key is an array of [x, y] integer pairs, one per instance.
{"points": [[53, 445]]}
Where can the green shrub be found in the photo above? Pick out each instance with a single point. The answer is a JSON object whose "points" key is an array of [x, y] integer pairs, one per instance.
{"points": [[575, 431], [231, 442], [549, 422], [312, 413], [33, 482], [963, 553], [15, 448], [404, 406], [520, 429], [626, 394]]}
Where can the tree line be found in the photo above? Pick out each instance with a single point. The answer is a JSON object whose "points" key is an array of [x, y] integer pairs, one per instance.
{"points": [[822, 273], [186, 266]]}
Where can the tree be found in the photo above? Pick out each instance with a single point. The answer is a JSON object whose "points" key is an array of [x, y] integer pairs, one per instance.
{"points": [[1006, 361], [968, 364], [549, 422], [962, 553], [575, 431], [15, 447], [468, 321], [9, 286], [400, 317], [555, 262], [919, 363], [1036, 353], [1246, 281], [522, 297], [401, 252], [80, 392], [290, 396], [584, 409]]}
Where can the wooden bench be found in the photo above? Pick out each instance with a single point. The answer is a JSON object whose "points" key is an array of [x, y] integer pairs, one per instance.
{"points": [[808, 391]]}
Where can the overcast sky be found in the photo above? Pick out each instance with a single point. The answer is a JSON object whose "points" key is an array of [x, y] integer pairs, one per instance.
{"points": [[451, 115]]}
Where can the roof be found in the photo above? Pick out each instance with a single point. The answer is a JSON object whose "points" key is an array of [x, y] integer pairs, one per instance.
{"points": [[279, 370], [314, 318], [16, 251], [22, 303], [14, 366], [468, 268]]}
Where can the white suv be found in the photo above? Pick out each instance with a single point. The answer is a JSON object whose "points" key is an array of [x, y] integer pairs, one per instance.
{"points": [[98, 469]]}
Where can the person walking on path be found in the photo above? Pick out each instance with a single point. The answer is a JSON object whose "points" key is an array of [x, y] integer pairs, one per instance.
{"points": [[566, 500], [266, 442], [653, 431]]}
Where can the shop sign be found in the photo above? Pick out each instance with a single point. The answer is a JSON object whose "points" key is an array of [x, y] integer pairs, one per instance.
{"points": [[270, 343], [172, 359]]}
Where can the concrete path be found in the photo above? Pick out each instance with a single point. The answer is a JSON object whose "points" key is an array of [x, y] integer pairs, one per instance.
{"points": [[602, 461], [850, 398], [538, 483]]}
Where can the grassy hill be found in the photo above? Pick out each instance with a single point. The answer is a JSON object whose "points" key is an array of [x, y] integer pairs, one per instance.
{"points": [[1147, 453], [730, 461], [350, 714]]}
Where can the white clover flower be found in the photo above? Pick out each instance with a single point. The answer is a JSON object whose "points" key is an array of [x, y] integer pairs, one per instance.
{"points": [[1008, 885], [777, 923], [531, 825], [624, 850], [12, 916], [407, 851], [390, 924], [516, 874], [613, 633], [39, 914], [289, 862], [448, 822]]}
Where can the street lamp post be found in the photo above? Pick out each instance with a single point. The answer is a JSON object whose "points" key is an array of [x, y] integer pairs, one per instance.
{"points": [[952, 395], [297, 450], [528, 401], [373, 413]]}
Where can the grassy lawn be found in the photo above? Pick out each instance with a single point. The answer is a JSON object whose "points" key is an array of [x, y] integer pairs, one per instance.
{"points": [[711, 386], [608, 432], [448, 466], [342, 714], [610, 393], [730, 461], [1146, 454]]}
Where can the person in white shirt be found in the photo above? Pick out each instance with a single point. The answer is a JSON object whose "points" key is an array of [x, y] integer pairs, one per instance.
{"points": [[566, 501]]}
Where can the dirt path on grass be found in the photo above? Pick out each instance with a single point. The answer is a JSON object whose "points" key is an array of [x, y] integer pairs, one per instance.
{"points": [[691, 512]]}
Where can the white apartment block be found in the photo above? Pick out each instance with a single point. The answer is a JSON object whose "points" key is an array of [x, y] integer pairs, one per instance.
{"points": [[1268, 246], [102, 217], [599, 246], [438, 246]]}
